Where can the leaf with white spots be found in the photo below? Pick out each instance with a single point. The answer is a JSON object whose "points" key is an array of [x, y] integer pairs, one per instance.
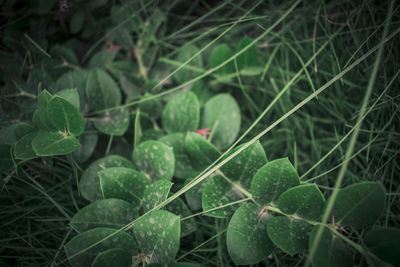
{"points": [[193, 196], [244, 165], [305, 201], [271, 180], [158, 235], [155, 194], [246, 236], [222, 115], [114, 122], [123, 183], [110, 213], [182, 113], [23, 148], [115, 257], [183, 166], [54, 143], [178, 207], [75, 246], [200, 151], [155, 159], [288, 234], [90, 181], [218, 192]]}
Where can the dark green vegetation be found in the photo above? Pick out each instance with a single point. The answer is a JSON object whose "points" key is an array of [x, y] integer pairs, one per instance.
{"points": [[295, 160]]}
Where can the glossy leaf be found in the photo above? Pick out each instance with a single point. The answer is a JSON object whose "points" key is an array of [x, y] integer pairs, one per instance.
{"points": [[123, 183], [155, 193], [246, 239], [305, 201], [112, 258], [200, 152], [272, 180], [158, 235], [54, 143], [185, 53], [88, 143], [222, 115], [220, 54], [194, 195], [71, 95], [384, 243], [23, 148], [114, 122], [178, 207], [155, 159], [110, 213], [90, 181]]}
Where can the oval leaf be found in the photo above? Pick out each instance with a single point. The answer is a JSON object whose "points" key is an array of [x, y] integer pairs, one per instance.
{"points": [[384, 243], [54, 143], [112, 258], [22, 129], [88, 143], [220, 54], [75, 79], [247, 62], [115, 122], [201, 152], [71, 95], [23, 148], [185, 53], [155, 194]]}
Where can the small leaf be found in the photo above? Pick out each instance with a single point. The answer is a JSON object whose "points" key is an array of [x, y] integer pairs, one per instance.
{"points": [[75, 246], [272, 180], [194, 195], [182, 113], [331, 251], [54, 143], [178, 207], [90, 181], [123, 183], [220, 54], [23, 148], [155, 194], [384, 243], [290, 235], [200, 152], [115, 122], [65, 116], [110, 213], [305, 201], [112, 258], [71, 95], [77, 21], [359, 205], [246, 239], [158, 235], [88, 143], [186, 74], [102, 58], [22, 129], [155, 159], [222, 115], [247, 61]]}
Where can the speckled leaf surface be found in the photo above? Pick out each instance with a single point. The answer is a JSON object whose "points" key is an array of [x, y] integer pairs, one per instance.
{"points": [[220, 54], [23, 148], [114, 122], [123, 183], [246, 236], [193, 196], [385, 243], [178, 207], [90, 181], [158, 235], [289, 235], [305, 201], [82, 241], [155, 193], [271, 180], [54, 143], [115, 257], [71, 95], [200, 152], [109, 213], [88, 143], [182, 113], [222, 115], [186, 74], [155, 159]]}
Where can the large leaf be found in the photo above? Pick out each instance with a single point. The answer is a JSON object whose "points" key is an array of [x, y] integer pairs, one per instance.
{"points": [[90, 181], [185, 74], [359, 205], [158, 235], [272, 180], [178, 207], [88, 143], [201, 152], [114, 122], [75, 246], [246, 239], [123, 183], [304, 200], [182, 113], [155, 193], [222, 115], [288, 234], [23, 148], [110, 213], [385, 243], [112, 258], [219, 55], [54, 143], [155, 159]]}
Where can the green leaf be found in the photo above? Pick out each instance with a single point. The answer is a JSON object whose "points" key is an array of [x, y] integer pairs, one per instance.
{"points": [[112, 258], [8, 135], [65, 53], [151, 134], [182, 113], [65, 116], [243, 166], [54, 143], [71, 95], [246, 239], [23, 148], [102, 58], [200, 151], [186, 74], [155, 193], [151, 107], [45, 6], [5, 158], [220, 54], [272, 180], [178, 207], [158, 235], [101, 90], [331, 251], [115, 122], [155, 159], [222, 115], [123, 183], [247, 61], [77, 20], [75, 79], [88, 143], [22, 129], [90, 182], [218, 192], [194, 195], [384, 243], [183, 166], [359, 205], [305, 201], [121, 240], [43, 119], [110, 213], [288, 234]]}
